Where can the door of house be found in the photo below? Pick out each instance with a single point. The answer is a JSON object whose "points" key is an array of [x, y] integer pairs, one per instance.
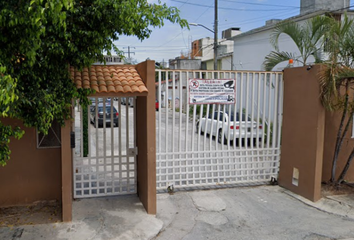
{"points": [[105, 150]]}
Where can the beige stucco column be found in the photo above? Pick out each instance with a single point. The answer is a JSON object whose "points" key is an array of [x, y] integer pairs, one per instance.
{"points": [[302, 133], [66, 172], [146, 138]]}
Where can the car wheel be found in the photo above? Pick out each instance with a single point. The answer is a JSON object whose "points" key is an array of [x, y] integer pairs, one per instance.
{"points": [[220, 136], [201, 131]]}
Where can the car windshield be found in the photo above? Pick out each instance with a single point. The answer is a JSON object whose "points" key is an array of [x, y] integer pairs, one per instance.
{"points": [[232, 117], [108, 109]]}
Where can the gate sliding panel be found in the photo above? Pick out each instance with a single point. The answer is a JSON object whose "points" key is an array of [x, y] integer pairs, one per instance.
{"points": [[214, 144]]}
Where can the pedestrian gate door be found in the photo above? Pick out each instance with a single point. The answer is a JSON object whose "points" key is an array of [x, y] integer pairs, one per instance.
{"points": [[105, 148]]}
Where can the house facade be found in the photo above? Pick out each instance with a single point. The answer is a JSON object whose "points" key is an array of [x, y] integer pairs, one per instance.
{"points": [[185, 63], [251, 48]]}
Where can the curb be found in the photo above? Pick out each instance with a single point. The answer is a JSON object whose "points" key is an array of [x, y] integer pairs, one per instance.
{"points": [[327, 204]]}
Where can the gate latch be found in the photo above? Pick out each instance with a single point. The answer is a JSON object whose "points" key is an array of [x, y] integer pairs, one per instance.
{"points": [[72, 139], [133, 151]]}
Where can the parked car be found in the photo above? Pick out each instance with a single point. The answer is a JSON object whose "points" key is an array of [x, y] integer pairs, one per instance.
{"points": [[233, 128], [123, 100], [93, 101], [99, 115], [157, 105], [100, 100], [126, 101]]}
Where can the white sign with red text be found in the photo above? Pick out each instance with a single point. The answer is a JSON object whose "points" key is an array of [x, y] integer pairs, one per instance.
{"points": [[208, 91]]}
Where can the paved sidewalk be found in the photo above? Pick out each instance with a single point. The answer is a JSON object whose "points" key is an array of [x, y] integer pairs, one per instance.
{"points": [[265, 212], [122, 217]]}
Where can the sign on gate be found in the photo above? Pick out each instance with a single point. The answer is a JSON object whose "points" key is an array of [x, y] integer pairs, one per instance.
{"points": [[209, 91]]}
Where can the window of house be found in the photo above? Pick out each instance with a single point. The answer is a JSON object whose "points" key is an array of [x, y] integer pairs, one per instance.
{"points": [[52, 139]]}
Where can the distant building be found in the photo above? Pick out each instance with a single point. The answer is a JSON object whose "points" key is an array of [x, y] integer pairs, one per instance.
{"points": [[185, 63], [203, 49], [251, 48]]}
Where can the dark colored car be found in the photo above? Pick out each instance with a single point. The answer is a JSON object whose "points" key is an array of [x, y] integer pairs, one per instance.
{"points": [[99, 115], [100, 101], [157, 105]]}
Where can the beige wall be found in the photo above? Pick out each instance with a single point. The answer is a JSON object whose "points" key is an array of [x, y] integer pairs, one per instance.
{"points": [[31, 174], [332, 125], [302, 133]]}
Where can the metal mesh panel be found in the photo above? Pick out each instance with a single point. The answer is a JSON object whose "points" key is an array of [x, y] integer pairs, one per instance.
{"points": [[105, 156], [208, 145]]}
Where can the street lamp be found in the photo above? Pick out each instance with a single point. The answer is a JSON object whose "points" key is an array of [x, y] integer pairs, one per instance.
{"points": [[215, 41], [201, 25]]}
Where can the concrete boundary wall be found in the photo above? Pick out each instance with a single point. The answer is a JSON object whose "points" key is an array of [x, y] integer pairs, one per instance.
{"points": [[302, 133], [31, 174]]}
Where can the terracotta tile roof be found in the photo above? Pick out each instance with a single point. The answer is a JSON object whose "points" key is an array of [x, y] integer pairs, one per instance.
{"points": [[109, 79]]}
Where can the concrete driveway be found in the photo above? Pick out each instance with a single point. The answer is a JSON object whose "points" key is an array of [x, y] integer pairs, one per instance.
{"points": [[265, 212]]}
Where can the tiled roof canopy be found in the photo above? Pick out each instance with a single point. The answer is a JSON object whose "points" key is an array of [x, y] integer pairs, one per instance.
{"points": [[109, 79]]}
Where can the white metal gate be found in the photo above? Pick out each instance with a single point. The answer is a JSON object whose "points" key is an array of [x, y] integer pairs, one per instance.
{"points": [[105, 148], [195, 143]]}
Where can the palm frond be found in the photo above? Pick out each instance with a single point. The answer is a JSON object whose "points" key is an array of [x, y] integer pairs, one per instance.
{"points": [[290, 28], [318, 26], [328, 86], [308, 38], [274, 58], [345, 73]]}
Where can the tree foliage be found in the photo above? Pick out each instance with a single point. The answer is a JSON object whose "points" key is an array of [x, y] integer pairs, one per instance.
{"points": [[308, 38], [336, 82], [333, 39], [40, 39]]}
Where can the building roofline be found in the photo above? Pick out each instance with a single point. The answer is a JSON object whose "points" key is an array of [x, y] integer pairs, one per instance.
{"points": [[294, 18]]}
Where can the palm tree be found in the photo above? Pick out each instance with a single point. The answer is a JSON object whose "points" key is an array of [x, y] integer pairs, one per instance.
{"points": [[307, 37], [336, 82], [337, 73]]}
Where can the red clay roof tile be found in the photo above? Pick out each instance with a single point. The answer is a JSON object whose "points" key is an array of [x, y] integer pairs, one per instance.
{"points": [[113, 79]]}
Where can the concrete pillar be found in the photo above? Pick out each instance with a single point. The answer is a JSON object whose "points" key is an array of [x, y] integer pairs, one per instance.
{"points": [[146, 139], [66, 172], [302, 133]]}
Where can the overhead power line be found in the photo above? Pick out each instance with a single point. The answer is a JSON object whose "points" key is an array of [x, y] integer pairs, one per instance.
{"points": [[232, 9], [259, 4]]}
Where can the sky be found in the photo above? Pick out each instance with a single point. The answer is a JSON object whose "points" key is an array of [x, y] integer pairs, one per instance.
{"points": [[171, 40]]}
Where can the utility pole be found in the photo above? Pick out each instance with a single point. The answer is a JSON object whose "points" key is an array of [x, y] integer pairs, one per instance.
{"points": [[129, 52], [216, 36]]}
